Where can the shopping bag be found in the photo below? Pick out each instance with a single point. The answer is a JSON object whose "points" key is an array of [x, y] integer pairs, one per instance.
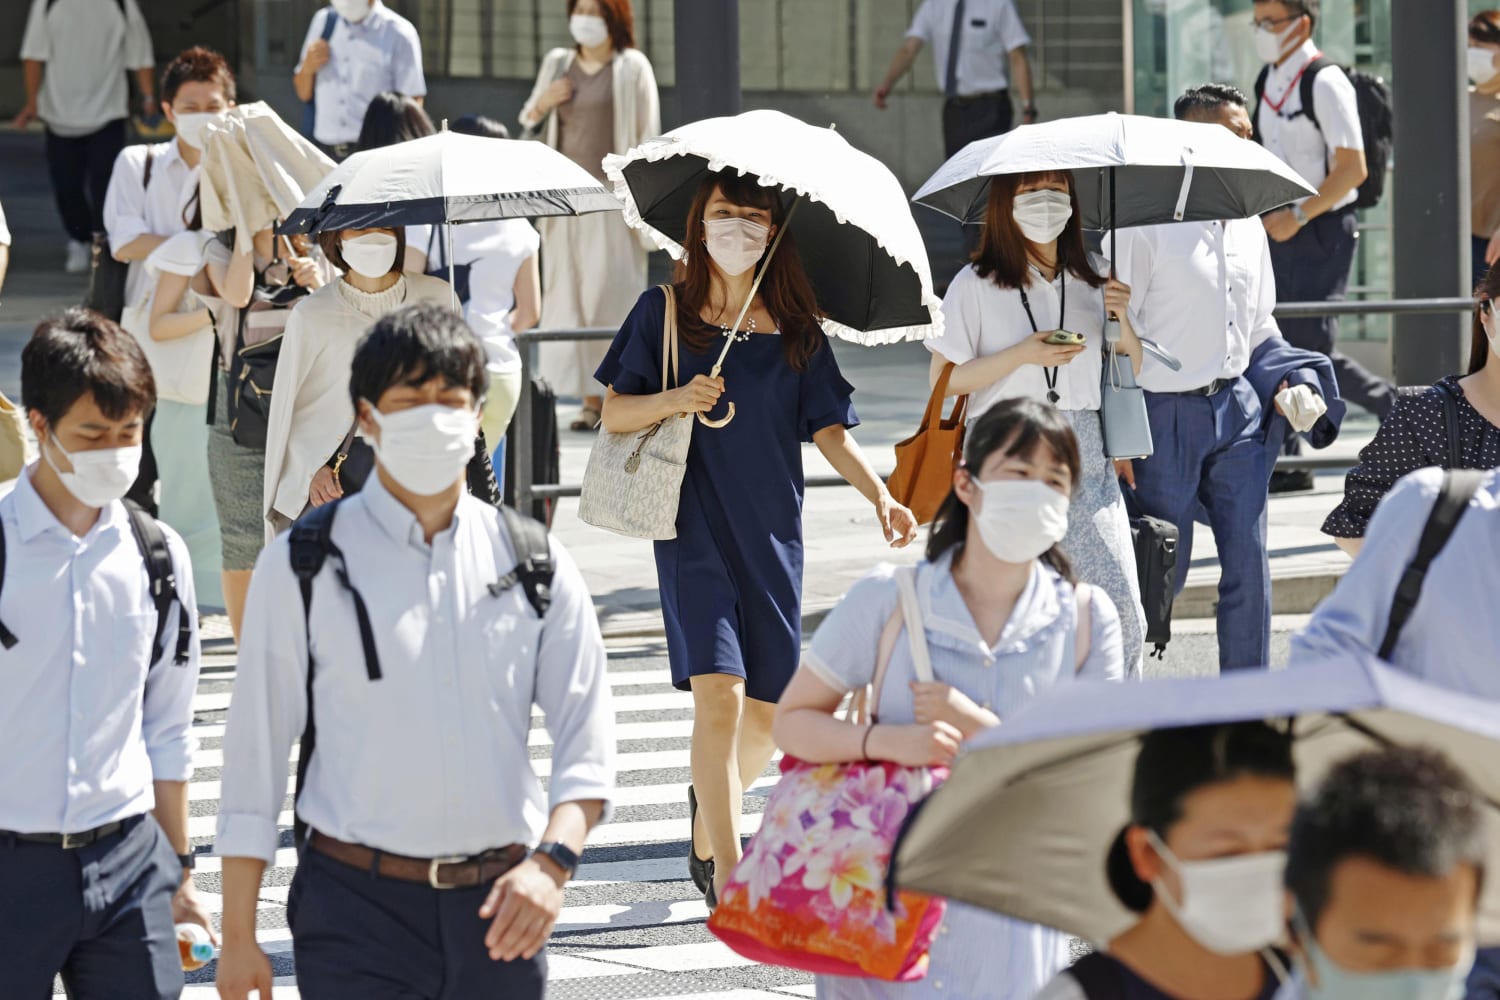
{"points": [[925, 461]]}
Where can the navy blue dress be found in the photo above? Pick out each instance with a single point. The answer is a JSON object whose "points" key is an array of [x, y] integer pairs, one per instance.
{"points": [[731, 581]]}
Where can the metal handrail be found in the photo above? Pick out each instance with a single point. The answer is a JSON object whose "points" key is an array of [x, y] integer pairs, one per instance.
{"points": [[528, 492]]}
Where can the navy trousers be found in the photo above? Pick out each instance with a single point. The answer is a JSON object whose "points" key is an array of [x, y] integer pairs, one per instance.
{"points": [[1209, 454], [1313, 266], [80, 167], [100, 915], [359, 937]]}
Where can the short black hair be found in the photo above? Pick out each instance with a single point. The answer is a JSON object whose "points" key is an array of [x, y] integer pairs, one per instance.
{"points": [[198, 64], [83, 352], [1207, 99], [392, 118], [413, 344], [1175, 763], [480, 125], [331, 242], [1302, 7], [1406, 808]]}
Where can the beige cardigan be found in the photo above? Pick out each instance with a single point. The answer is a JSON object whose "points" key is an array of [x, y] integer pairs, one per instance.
{"points": [[637, 106]]}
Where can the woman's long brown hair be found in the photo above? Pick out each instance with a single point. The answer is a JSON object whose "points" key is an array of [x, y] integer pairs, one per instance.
{"points": [[1004, 251], [785, 290], [1479, 345]]}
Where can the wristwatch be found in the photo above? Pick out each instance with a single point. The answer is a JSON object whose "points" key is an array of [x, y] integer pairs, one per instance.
{"points": [[188, 861], [1030, 111], [1299, 215], [561, 855]]}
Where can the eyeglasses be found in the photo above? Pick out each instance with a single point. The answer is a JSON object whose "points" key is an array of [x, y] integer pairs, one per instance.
{"points": [[1271, 22]]}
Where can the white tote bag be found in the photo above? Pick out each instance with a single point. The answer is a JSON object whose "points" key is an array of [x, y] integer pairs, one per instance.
{"points": [[182, 367]]}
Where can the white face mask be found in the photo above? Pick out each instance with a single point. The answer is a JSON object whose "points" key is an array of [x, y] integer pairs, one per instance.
{"points": [[371, 255], [1271, 45], [735, 244], [99, 477], [1231, 906], [588, 30], [1019, 519], [190, 126], [1481, 66], [1042, 215], [425, 448], [352, 10]]}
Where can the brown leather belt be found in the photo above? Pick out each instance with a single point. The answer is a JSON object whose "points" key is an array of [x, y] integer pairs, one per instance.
{"points": [[440, 873]]}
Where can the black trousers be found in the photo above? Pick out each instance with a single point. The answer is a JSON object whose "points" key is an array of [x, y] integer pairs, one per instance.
{"points": [[101, 916], [80, 167], [968, 118]]}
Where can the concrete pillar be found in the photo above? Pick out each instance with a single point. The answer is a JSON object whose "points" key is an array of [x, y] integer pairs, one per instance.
{"points": [[1431, 209], [707, 43]]}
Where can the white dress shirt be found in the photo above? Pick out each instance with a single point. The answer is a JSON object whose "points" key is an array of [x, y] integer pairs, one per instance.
{"points": [[1206, 292], [991, 31], [494, 253], [980, 319], [432, 759], [1291, 135], [381, 52], [132, 209], [84, 728], [88, 45]]}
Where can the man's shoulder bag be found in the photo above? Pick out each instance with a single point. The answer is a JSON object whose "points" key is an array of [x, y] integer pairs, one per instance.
{"points": [[106, 291]]}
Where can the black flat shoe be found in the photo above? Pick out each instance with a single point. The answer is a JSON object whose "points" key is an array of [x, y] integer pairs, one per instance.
{"points": [[701, 871]]}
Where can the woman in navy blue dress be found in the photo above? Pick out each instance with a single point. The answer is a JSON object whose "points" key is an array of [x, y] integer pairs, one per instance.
{"points": [[731, 581]]}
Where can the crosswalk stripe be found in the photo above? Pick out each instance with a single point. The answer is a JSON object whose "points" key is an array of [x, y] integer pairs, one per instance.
{"points": [[596, 901]]}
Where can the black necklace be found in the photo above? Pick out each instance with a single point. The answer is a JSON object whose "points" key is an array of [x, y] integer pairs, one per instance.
{"points": [[1050, 372]]}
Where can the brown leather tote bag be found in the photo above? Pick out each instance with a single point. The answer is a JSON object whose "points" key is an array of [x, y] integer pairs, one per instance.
{"points": [[925, 461]]}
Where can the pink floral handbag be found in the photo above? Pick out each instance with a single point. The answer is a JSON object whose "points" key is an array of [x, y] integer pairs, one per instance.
{"points": [[810, 891]]}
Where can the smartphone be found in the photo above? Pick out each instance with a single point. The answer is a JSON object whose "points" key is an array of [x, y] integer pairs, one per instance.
{"points": [[1060, 338]]}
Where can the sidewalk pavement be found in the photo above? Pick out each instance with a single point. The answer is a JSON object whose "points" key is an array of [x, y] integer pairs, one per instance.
{"points": [[843, 539]]}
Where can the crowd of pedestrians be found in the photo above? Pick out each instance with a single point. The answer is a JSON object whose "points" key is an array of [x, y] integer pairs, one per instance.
{"points": [[393, 616]]}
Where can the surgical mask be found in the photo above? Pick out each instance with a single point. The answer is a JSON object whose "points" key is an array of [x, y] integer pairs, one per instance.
{"points": [[425, 448], [1019, 519], [1271, 45], [372, 255], [735, 244], [588, 30], [1042, 215], [352, 10], [1335, 983], [1231, 906], [191, 125], [1481, 66], [99, 477]]}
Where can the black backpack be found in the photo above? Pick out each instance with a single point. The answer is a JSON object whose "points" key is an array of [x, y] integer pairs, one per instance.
{"points": [[1376, 121], [152, 542], [312, 545]]}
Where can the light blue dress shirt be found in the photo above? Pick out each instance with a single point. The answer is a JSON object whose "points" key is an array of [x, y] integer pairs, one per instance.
{"points": [[381, 52], [1453, 634], [978, 955], [432, 759], [84, 727]]}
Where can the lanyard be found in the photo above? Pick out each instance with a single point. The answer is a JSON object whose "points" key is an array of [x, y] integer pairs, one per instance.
{"points": [[1050, 372], [1276, 106]]}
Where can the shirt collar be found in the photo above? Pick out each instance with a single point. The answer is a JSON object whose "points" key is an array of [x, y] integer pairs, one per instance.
{"points": [[948, 621], [396, 519], [34, 517], [378, 13], [1284, 74]]}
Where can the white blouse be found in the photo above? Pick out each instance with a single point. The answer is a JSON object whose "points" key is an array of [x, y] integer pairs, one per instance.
{"points": [[980, 319]]}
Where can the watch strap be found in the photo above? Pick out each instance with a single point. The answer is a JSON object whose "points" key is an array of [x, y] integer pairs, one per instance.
{"points": [[564, 856], [188, 861]]}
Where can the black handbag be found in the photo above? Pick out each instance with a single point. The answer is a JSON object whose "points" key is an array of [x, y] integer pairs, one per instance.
{"points": [[1156, 566], [546, 450], [106, 292], [252, 372]]}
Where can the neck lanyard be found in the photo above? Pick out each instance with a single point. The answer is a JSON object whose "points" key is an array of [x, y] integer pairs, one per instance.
{"points": [[1276, 106], [1050, 372]]}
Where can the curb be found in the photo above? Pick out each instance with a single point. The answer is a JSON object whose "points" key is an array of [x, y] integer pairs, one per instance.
{"points": [[1290, 595]]}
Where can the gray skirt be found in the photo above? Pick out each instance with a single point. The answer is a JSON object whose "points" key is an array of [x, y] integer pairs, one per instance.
{"points": [[1098, 541], [238, 475]]}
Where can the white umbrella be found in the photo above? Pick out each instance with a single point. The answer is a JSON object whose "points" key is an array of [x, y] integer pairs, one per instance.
{"points": [[1128, 170], [1024, 823], [853, 225]]}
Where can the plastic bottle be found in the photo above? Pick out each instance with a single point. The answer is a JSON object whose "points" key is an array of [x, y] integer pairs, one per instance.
{"points": [[194, 947]]}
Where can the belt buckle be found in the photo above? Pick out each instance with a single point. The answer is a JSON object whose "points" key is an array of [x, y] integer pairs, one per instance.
{"points": [[432, 870], [73, 841]]}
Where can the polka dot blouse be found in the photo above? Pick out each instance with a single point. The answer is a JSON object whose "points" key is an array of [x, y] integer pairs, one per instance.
{"points": [[1414, 436]]}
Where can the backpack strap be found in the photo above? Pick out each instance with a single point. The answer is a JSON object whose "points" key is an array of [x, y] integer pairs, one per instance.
{"points": [[1459, 487], [1309, 75], [1260, 93], [162, 574], [1450, 423], [330, 22], [534, 567], [7, 637]]}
